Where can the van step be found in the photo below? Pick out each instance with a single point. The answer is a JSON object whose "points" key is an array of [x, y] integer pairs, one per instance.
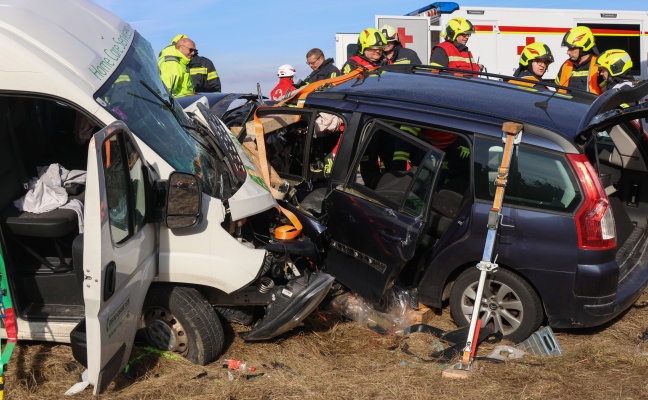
{"points": [[53, 312]]}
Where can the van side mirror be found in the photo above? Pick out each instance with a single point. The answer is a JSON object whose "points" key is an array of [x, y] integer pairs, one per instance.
{"points": [[184, 201]]}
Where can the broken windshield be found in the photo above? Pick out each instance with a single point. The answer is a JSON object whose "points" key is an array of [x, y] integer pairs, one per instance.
{"points": [[133, 93]]}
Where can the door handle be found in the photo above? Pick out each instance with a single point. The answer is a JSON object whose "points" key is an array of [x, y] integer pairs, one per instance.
{"points": [[390, 236]]}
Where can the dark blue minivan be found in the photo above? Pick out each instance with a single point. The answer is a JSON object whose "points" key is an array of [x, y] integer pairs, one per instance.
{"points": [[392, 177]]}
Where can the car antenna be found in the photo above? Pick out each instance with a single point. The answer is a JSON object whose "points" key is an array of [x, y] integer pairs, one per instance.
{"points": [[259, 95]]}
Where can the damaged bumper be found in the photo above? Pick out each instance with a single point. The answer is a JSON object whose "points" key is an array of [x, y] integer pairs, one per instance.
{"points": [[290, 305]]}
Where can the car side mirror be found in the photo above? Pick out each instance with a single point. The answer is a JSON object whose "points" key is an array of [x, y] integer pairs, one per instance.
{"points": [[184, 201]]}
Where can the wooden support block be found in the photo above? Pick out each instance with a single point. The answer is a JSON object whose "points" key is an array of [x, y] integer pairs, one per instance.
{"points": [[453, 372], [421, 316]]}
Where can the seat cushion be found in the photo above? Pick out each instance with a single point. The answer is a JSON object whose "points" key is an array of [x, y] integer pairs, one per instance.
{"points": [[55, 223]]}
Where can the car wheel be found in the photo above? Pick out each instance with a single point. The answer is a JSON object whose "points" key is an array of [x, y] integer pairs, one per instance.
{"points": [[239, 315], [509, 304], [179, 319]]}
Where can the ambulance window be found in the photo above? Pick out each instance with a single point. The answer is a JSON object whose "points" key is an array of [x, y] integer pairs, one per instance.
{"points": [[619, 36], [124, 188]]}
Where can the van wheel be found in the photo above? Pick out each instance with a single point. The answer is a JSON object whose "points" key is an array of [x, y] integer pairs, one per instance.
{"points": [[179, 319], [238, 315], [509, 303]]}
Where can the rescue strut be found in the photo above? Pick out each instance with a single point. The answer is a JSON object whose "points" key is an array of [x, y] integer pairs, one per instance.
{"points": [[511, 136]]}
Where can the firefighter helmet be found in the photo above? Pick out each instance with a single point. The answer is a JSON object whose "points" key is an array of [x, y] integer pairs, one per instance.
{"points": [[371, 38], [580, 37], [617, 62], [536, 51], [176, 38], [458, 26], [390, 33], [286, 70]]}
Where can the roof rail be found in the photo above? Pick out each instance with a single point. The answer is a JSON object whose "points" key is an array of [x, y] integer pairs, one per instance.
{"points": [[414, 69]]}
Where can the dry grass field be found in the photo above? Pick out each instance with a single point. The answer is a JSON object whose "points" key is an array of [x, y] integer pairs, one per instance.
{"points": [[331, 358]]}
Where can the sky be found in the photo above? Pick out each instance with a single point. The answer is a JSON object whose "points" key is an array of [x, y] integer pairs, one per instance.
{"points": [[249, 39]]}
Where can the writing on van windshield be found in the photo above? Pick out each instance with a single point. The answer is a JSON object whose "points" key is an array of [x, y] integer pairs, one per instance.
{"points": [[113, 54]]}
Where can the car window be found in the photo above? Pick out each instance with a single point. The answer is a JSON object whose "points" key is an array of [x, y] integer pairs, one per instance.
{"points": [[123, 171], [378, 174], [537, 179]]}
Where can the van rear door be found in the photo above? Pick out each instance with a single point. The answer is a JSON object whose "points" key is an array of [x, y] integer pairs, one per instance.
{"points": [[120, 251]]}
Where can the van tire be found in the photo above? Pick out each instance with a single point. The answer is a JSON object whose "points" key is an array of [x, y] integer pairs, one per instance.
{"points": [[179, 319], [237, 315], [513, 306]]}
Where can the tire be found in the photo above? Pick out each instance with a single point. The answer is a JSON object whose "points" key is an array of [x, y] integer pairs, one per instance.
{"points": [[509, 303], [179, 319], [239, 315]]}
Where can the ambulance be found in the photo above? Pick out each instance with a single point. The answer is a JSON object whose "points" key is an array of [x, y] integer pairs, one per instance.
{"points": [[122, 213], [501, 33]]}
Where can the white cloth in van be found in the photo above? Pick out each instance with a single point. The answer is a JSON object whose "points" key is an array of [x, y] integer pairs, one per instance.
{"points": [[47, 192]]}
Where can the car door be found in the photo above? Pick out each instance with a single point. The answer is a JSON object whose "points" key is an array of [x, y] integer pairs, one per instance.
{"points": [[120, 251], [378, 215]]}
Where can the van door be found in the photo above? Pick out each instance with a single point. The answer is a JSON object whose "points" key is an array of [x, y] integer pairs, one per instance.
{"points": [[378, 215], [120, 251]]}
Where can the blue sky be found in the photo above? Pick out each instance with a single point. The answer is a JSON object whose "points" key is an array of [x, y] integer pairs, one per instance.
{"points": [[249, 39]]}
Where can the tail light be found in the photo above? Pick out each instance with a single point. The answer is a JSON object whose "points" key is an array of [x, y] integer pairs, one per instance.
{"points": [[594, 220]]}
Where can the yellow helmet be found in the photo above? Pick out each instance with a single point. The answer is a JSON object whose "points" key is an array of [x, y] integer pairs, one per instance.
{"points": [[458, 26], [177, 37], [579, 37], [536, 51], [371, 38], [617, 62], [391, 34]]}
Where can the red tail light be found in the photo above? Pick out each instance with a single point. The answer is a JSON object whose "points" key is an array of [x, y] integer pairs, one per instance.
{"points": [[594, 220]]}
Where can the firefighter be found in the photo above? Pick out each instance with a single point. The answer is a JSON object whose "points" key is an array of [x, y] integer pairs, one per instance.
{"points": [[323, 68], [204, 75], [394, 51], [285, 73], [614, 69], [369, 52], [453, 52], [579, 71], [173, 63], [534, 62]]}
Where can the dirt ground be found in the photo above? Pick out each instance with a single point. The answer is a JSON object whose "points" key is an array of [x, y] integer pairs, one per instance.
{"points": [[332, 358]]}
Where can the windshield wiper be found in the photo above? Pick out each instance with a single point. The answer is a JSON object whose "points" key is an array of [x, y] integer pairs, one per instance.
{"points": [[166, 103]]}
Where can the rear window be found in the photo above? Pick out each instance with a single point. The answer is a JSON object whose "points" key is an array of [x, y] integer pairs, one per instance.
{"points": [[537, 179]]}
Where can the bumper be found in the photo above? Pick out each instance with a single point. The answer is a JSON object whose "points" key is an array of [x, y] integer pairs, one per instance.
{"points": [[594, 311], [292, 303]]}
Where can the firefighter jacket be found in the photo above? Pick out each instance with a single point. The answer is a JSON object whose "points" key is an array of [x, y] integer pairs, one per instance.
{"points": [[526, 74], [325, 71], [361, 61], [583, 76], [173, 71], [204, 75], [453, 55], [401, 55], [285, 85]]}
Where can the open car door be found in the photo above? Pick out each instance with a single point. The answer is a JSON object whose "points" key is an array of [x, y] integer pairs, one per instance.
{"points": [[378, 215], [120, 251]]}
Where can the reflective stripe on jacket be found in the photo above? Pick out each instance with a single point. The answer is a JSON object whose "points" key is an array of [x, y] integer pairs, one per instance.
{"points": [[579, 76], [204, 75]]}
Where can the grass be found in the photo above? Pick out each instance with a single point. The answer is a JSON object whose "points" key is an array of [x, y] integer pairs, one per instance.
{"points": [[330, 358]]}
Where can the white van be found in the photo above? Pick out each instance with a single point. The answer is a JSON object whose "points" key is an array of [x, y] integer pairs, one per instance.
{"points": [[175, 228]]}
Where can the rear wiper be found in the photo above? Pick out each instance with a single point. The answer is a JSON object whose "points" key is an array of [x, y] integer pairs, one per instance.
{"points": [[167, 104]]}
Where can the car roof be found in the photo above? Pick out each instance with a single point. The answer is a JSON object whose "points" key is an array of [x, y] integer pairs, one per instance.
{"points": [[473, 95]]}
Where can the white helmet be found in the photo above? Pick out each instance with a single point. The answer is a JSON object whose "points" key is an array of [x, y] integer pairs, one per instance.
{"points": [[286, 70]]}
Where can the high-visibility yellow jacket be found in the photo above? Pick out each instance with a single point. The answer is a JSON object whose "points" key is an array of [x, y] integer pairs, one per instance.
{"points": [[173, 71]]}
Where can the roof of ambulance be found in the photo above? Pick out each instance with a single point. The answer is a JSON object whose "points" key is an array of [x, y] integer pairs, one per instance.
{"points": [[76, 41]]}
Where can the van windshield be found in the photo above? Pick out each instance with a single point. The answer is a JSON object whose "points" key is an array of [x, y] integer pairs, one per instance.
{"points": [[129, 100]]}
